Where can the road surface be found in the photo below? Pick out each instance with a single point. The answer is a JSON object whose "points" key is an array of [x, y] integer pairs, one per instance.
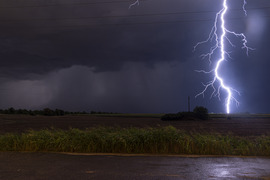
{"points": [[56, 166]]}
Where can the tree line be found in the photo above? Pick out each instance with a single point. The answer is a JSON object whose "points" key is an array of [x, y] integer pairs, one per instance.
{"points": [[48, 112], [44, 112], [199, 113]]}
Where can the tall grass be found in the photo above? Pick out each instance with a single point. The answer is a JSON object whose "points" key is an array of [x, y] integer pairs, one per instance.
{"points": [[167, 140]]}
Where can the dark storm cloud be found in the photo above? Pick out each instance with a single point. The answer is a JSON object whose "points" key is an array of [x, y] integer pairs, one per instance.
{"points": [[59, 37], [22, 65], [104, 49], [135, 88]]}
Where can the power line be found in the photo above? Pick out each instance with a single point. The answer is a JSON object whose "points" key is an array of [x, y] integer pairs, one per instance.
{"points": [[94, 3], [118, 24], [67, 4], [118, 16], [100, 17]]}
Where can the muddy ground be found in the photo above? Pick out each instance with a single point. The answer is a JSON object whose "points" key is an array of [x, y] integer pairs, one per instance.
{"points": [[243, 126]]}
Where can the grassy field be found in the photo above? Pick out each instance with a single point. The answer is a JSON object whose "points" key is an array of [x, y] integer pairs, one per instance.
{"points": [[237, 134], [163, 140]]}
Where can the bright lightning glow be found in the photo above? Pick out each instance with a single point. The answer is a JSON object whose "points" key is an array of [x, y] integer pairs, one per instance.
{"points": [[220, 40], [135, 3], [244, 7]]}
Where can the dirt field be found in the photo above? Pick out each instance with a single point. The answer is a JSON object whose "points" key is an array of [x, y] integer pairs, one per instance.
{"points": [[243, 126]]}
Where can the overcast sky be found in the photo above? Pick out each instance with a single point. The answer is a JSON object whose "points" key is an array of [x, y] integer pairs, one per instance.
{"points": [[100, 55]]}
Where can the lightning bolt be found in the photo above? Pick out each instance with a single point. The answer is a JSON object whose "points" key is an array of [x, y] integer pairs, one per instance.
{"points": [[135, 3], [219, 35]]}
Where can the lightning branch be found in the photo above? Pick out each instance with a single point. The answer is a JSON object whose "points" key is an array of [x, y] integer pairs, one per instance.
{"points": [[219, 34]]}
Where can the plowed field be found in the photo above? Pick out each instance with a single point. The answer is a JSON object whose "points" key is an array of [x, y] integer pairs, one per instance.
{"points": [[238, 125]]}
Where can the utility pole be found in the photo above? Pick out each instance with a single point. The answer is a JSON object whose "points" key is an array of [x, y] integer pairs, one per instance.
{"points": [[188, 104]]}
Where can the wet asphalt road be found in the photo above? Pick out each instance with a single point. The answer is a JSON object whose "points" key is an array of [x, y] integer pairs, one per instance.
{"points": [[28, 166]]}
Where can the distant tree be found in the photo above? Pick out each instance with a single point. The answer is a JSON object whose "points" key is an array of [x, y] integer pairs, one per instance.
{"points": [[11, 111], [32, 113], [201, 112], [48, 112], [59, 112], [22, 111], [93, 112], [37, 112], [44, 112]]}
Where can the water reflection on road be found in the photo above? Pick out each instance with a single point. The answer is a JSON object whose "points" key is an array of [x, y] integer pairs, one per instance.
{"points": [[210, 167], [14, 165], [239, 168]]}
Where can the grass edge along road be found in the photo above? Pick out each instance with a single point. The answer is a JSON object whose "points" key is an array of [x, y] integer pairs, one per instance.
{"points": [[163, 140]]}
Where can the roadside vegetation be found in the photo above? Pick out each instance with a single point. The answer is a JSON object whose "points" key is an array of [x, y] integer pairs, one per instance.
{"points": [[163, 140]]}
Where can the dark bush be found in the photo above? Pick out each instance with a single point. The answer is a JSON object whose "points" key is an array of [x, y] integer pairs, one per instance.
{"points": [[48, 112], [11, 111], [178, 116], [59, 112], [201, 112]]}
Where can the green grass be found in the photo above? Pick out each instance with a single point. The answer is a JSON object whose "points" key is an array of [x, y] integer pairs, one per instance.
{"points": [[167, 140]]}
